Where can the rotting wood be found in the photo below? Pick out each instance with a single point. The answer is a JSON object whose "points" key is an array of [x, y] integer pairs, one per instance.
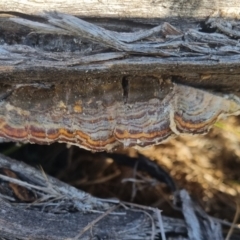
{"points": [[183, 52], [207, 71], [105, 108]]}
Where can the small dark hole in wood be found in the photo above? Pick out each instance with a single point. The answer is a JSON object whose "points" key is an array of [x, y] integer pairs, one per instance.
{"points": [[207, 28], [125, 87]]}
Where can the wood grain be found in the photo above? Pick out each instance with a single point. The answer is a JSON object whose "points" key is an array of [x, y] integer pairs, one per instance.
{"points": [[127, 9], [55, 46]]}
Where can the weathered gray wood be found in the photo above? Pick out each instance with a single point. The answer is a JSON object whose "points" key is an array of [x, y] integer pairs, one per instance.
{"points": [[128, 9], [57, 211], [51, 219], [199, 224], [184, 54], [40, 225]]}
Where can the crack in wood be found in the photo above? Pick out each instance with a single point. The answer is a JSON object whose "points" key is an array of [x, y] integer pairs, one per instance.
{"points": [[125, 87]]}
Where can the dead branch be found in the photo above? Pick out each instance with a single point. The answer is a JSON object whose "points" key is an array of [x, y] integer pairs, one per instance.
{"points": [[55, 210]]}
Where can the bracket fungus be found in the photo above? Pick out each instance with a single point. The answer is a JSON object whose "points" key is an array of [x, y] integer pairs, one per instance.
{"points": [[102, 114]]}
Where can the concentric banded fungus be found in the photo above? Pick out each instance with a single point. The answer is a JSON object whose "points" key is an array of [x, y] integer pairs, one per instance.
{"points": [[104, 114]]}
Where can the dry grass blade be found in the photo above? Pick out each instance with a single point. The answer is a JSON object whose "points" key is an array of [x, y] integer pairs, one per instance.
{"points": [[91, 224], [160, 222], [234, 222]]}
